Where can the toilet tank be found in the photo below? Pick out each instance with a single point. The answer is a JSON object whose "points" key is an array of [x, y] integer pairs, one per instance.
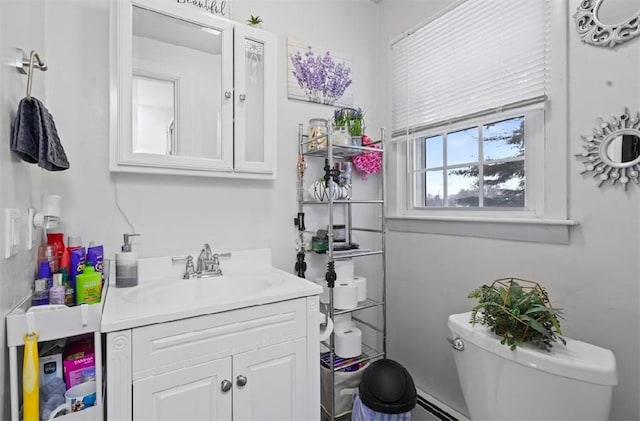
{"points": [[572, 382]]}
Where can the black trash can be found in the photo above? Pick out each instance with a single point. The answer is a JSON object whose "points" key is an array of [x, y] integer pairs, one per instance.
{"points": [[386, 392]]}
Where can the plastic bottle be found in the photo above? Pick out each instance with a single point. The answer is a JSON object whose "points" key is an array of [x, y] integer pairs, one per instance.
{"points": [[127, 265], [69, 292], [44, 272], [88, 285], [30, 379], [65, 260], [45, 254], [57, 291], [40, 296], [56, 241]]}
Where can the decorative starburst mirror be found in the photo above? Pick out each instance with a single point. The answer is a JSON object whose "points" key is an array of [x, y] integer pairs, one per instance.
{"points": [[612, 152]]}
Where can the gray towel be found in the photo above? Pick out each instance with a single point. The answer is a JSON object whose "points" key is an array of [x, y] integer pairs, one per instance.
{"points": [[34, 136]]}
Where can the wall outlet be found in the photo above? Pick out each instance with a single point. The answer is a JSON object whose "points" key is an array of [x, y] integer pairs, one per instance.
{"points": [[11, 232]]}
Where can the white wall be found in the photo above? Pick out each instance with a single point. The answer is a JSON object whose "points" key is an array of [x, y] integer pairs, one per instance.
{"points": [[173, 214], [594, 278], [178, 214], [22, 25]]}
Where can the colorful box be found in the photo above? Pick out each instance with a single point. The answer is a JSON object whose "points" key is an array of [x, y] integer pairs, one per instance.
{"points": [[79, 356]]}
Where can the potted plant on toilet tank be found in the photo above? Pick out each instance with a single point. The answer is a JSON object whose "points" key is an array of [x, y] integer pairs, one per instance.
{"points": [[518, 311]]}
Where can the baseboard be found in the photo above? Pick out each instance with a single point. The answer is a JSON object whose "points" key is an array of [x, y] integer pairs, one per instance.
{"points": [[437, 408]]}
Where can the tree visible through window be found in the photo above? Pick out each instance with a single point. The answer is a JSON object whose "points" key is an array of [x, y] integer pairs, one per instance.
{"points": [[481, 166]]}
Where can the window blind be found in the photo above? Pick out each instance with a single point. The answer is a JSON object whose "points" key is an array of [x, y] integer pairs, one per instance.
{"points": [[480, 56]]}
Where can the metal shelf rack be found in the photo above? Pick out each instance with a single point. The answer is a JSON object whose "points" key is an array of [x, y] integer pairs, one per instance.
{"points": [[330, 154]]}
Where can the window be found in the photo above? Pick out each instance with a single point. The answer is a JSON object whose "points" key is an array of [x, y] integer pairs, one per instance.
{"points": [[478, 117], [481, 166]]}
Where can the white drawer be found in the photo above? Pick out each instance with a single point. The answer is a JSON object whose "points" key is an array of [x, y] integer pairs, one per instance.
{"points": [[169, 346]]}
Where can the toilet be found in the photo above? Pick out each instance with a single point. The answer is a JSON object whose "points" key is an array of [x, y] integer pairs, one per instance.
{"points": [[572, 382]]}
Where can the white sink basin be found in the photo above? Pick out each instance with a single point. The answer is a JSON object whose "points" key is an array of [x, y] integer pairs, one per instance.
{"points": [[162, 295], [203, 290]]}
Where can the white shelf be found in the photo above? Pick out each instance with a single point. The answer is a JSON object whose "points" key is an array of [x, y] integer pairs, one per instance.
{"points": [[55, 324]]}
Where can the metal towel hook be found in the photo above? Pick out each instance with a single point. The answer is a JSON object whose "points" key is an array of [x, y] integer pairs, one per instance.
{"points": [[34, 62]]}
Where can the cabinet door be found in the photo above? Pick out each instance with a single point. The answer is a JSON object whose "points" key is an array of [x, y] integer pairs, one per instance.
{"points": [[192, 393], [173, 113], [255, 101], [275, 386]]}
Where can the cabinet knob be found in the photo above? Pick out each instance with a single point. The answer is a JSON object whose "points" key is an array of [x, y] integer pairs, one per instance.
{"points": [[226, 385], [242, 97], [241, 380], [227, 94]]}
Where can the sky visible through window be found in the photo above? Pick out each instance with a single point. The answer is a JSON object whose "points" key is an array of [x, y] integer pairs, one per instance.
{"points": [[503, 182]]}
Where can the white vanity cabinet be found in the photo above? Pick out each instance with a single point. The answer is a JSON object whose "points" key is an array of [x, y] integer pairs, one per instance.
{"points": [[192, 93], [253, 363], [192, 393]]}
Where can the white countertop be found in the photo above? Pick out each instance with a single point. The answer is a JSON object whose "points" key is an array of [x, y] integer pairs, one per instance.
{"points": [[162, 295]]}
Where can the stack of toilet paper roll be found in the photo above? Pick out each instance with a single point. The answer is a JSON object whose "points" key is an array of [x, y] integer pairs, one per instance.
{"points": [[348, 289], [347, 337], [347, 292]]}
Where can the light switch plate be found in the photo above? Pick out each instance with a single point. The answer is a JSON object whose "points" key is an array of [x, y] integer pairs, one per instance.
{"points": [[11, 232]]}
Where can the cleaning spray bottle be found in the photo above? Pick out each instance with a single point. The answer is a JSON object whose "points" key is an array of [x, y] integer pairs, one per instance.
{"points": [[31, 378], [88, 285], [127, 264]]}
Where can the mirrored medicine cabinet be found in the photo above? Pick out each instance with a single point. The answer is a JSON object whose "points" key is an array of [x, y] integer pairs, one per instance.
{"points": [[191, 93]]}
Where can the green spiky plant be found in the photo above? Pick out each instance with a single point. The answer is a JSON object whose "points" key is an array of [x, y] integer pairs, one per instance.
{"points": [[518, 311], [254, 20]]}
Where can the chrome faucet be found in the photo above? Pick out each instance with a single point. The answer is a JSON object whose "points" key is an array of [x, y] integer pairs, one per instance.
{"points": [[208, 264], [205, 260]]}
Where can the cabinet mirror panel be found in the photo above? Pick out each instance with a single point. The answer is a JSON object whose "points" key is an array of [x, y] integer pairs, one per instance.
{"points": [[176, 86], [254, 85]]}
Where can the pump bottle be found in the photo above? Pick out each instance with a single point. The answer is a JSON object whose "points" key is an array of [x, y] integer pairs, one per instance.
{"points": [[127, 264]]}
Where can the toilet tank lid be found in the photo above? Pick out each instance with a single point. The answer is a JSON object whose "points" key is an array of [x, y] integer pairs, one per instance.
{"points": [[577, 360]]}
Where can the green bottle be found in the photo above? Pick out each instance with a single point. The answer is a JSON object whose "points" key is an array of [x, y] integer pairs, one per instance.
{"points": [[88, 285]]}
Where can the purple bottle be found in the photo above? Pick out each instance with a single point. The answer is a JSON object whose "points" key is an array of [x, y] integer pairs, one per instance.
{"points": [[44, 272]]}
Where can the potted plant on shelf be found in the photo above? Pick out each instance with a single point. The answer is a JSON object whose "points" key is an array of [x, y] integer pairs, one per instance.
{"points": [[255, 21], [518, 311], [353, 121]]}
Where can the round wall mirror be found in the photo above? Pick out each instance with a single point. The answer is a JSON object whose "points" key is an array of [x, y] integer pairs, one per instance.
{"points": [[592, 29], [621, 149], [612, 152]]}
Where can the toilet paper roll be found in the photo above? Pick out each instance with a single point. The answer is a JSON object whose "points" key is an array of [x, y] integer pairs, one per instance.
{"points": [[344, 270], [348, 343], [326, 332], [343, 322], [361, 285], [345, 296]]}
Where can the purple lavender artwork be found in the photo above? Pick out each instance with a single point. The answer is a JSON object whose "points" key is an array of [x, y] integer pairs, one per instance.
{"points": [[319, 76]]}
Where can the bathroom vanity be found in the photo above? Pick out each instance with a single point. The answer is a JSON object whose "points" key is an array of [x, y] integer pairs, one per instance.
{"points": [[241, 346]]}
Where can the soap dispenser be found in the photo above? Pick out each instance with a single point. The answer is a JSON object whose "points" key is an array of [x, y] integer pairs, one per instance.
{"points": [[127, 264]]}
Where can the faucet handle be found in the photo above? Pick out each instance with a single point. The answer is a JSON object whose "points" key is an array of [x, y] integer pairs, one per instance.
{"points": [[225, 254], [189, 269]]}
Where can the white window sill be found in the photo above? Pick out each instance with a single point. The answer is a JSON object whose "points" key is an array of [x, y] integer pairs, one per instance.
{"points": [[536, 230]]}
